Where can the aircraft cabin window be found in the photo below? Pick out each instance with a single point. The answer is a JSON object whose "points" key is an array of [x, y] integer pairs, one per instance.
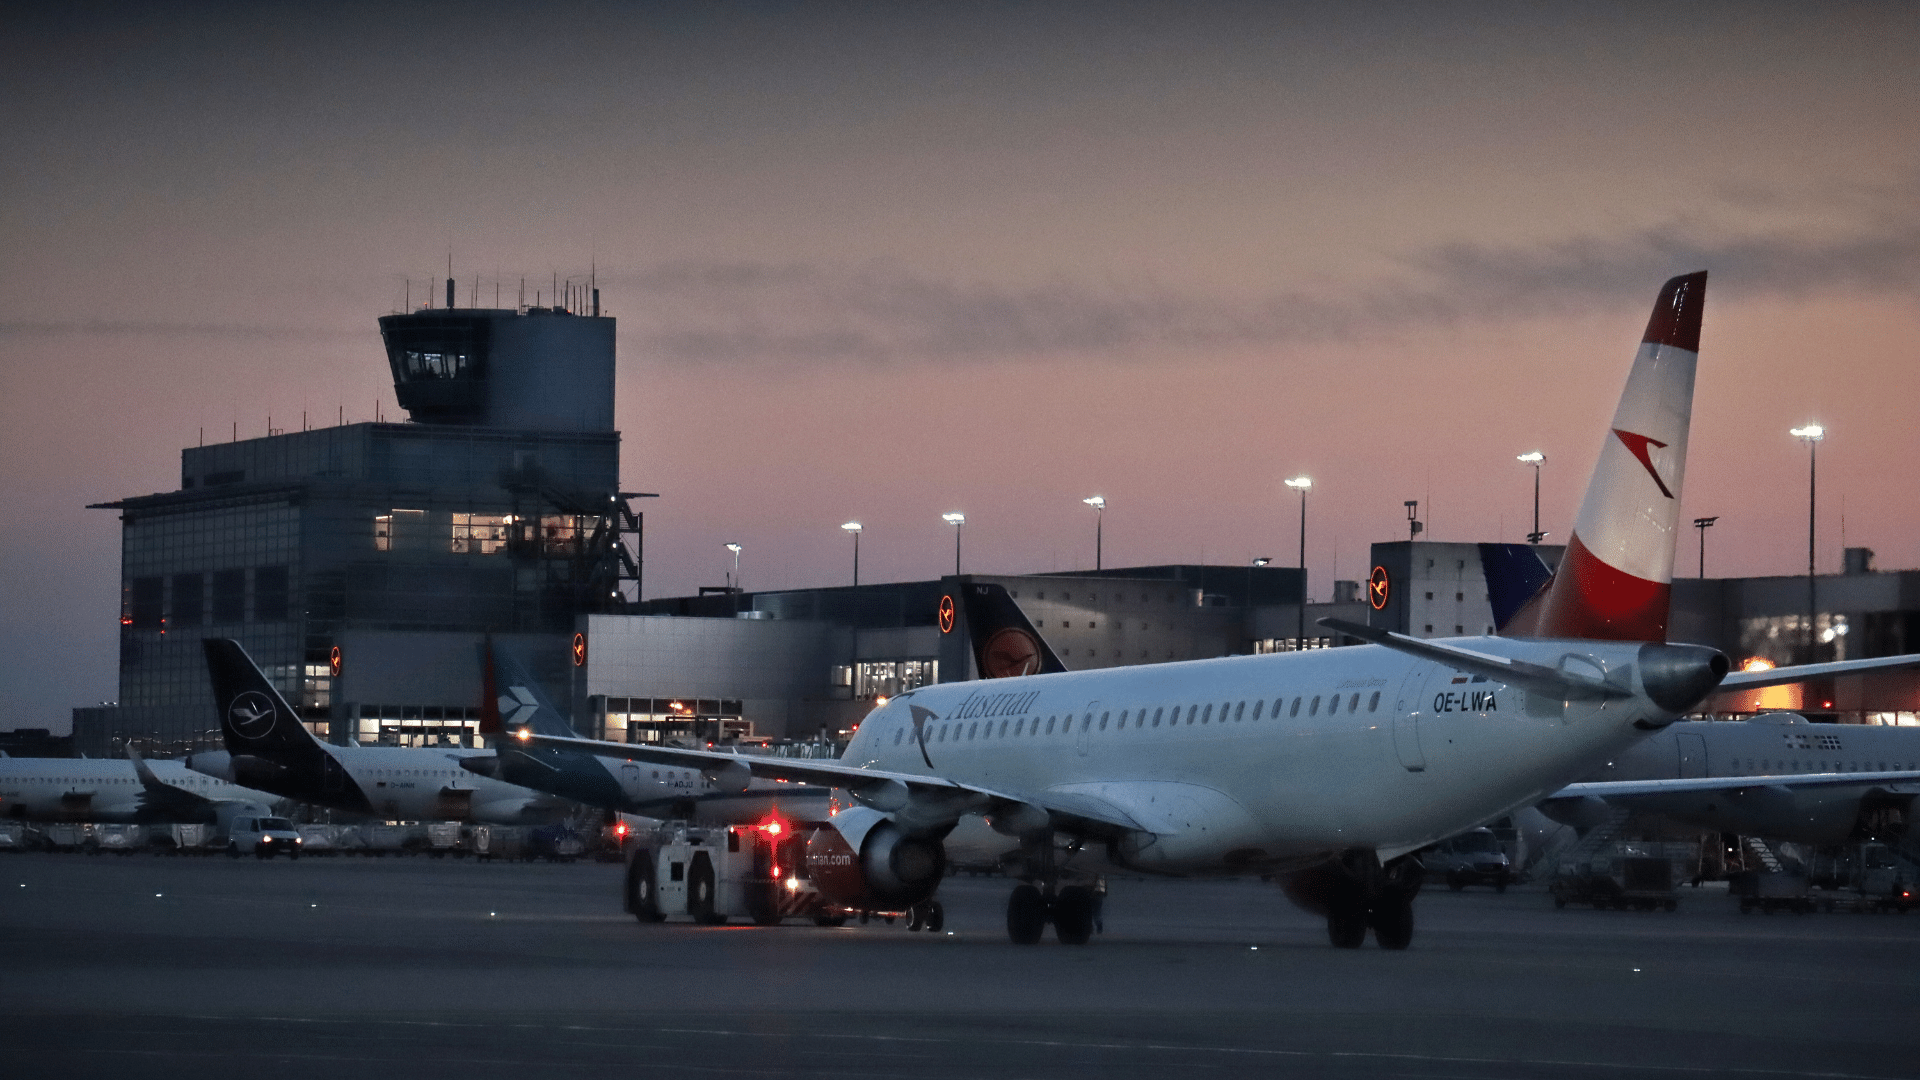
{"points": [[1156, 715], [1103, 721], [1240, 711], [1374, 701], [1353, 703], [1050, 721], [1333, 704], [1192, 712], [897, 735], [1207, 717], [1295, 711], [1019, 725], [1314, 709], [972, 730], [1004, 724]]}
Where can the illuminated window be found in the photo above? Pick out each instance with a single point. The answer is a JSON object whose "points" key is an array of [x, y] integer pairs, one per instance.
{"points": [[482, 534]]}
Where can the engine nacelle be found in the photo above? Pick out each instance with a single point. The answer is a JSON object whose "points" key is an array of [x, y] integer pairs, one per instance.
{"points": [[862, 859]]}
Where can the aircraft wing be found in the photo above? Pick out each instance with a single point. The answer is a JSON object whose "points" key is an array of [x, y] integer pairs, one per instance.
{"points": [[927, 797], [1538, 677], [164, 799], [1752, 680], [1610, 789]]}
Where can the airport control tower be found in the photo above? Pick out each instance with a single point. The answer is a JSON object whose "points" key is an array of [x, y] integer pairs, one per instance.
{"points": [[495, 509]]}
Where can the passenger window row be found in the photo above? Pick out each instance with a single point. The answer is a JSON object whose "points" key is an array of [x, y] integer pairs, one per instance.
{"points": [[1229, 712]]}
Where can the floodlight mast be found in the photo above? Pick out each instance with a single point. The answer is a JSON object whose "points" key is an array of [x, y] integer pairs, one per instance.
{"points": [[957, 520], [1302, 484]]}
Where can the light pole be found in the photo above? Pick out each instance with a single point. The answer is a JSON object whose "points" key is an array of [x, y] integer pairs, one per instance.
{"points": [[1099, 505], [1302, 484], [733, 579], [1535, 458], [1703, 524], [1811, 435], [955, 519], [854, 528], [1414, 527]]}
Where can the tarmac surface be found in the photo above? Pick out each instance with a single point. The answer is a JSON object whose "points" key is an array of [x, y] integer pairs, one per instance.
{"points": [[144, 966]]}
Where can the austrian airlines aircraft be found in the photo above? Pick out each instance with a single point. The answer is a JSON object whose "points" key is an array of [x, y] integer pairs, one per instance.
{"points": [[1327, 768]]}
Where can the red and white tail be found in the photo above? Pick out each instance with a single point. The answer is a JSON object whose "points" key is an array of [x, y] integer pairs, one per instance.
{"points": [[1616, 580]]}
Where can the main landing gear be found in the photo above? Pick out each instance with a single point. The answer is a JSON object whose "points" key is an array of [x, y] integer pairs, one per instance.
{"points": [[1074, 910], [1362, 895]]}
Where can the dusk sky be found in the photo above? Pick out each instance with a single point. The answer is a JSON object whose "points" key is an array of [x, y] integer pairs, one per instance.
{"points": [[882, 262]]}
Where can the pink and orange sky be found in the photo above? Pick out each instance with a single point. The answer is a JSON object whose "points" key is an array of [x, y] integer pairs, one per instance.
{"points": [[880, 263]]}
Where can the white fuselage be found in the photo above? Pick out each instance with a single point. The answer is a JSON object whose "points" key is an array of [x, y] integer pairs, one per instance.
{"points": [[413, 784], [1257, 760], [100, 789]]}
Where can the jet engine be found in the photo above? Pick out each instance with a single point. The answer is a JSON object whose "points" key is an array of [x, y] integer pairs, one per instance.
{"points": [[863, 859]]}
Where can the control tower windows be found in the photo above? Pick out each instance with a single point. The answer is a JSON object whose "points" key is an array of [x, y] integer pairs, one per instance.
{"points": [[482, 534], [416, 365]]}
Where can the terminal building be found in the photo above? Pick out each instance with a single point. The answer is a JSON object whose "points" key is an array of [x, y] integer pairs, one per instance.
{"points": [[363, 565]]}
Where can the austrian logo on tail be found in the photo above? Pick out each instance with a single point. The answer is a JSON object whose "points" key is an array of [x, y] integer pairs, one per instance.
{"points": [[1638, 445]]}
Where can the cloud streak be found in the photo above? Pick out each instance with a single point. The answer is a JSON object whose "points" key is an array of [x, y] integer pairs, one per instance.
{"points": [[797, 314]]}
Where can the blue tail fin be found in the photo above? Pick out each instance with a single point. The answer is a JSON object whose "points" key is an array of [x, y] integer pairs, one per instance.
{"points": [[1515, 575], [515, 699]]}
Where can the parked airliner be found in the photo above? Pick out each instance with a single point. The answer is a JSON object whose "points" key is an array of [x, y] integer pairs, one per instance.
{"points": [[112, 790], [1326, 768], [270, 749], [514, 699]]}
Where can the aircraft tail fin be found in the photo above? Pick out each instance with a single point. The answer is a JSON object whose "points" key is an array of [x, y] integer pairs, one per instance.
{"points": [[1004, 640], [254, 717], [1615, 581], [1515, 576], [515, 699]]}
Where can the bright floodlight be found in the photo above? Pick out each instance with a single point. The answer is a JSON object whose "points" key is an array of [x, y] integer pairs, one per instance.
{"points": [[1533, 458], [1299, 483], [1097, 502], [954, 518], [735, 548], [851, 526], [1811, 433]]}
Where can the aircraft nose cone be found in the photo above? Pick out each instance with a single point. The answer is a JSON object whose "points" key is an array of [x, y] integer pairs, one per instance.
{"points": [[1678, 677]]}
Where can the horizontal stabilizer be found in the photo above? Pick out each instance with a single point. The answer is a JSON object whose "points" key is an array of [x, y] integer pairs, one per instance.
{"points": [[1539, 678], [1780, 676]]}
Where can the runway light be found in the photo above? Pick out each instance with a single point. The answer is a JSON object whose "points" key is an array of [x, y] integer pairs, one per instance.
{"points": [[1757, 663]]}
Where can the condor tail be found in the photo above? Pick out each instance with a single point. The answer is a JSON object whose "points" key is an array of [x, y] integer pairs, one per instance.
{"points": [[1615, 581]]}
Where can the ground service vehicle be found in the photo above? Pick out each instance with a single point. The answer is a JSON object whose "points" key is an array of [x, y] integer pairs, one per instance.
{"points": [[265, 837], [1627, 878], [1472, 858], [759, 872]]}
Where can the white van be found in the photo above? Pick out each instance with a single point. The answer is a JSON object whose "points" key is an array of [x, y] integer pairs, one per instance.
{"points": [[264, 836]]}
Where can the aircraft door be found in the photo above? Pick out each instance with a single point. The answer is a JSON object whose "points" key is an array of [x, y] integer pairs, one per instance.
{"points": [[1693, 755], [1407, 706]]}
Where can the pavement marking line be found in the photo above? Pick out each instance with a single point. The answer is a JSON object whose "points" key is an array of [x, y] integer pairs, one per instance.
{"points": [[1368, 1055]]}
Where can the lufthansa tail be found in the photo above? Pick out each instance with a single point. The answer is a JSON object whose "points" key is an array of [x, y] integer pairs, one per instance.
{"points": [[254, 718], [1615, 581], [1004, 642]]}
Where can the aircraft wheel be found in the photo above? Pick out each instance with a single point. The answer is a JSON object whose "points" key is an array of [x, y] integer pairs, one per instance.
{"points": [[937, 917], [915, 917], [1026, 915], [643, 898], [1346, 926], [829, 920], [1073, 915], [700, 892], [1393, 923]]}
